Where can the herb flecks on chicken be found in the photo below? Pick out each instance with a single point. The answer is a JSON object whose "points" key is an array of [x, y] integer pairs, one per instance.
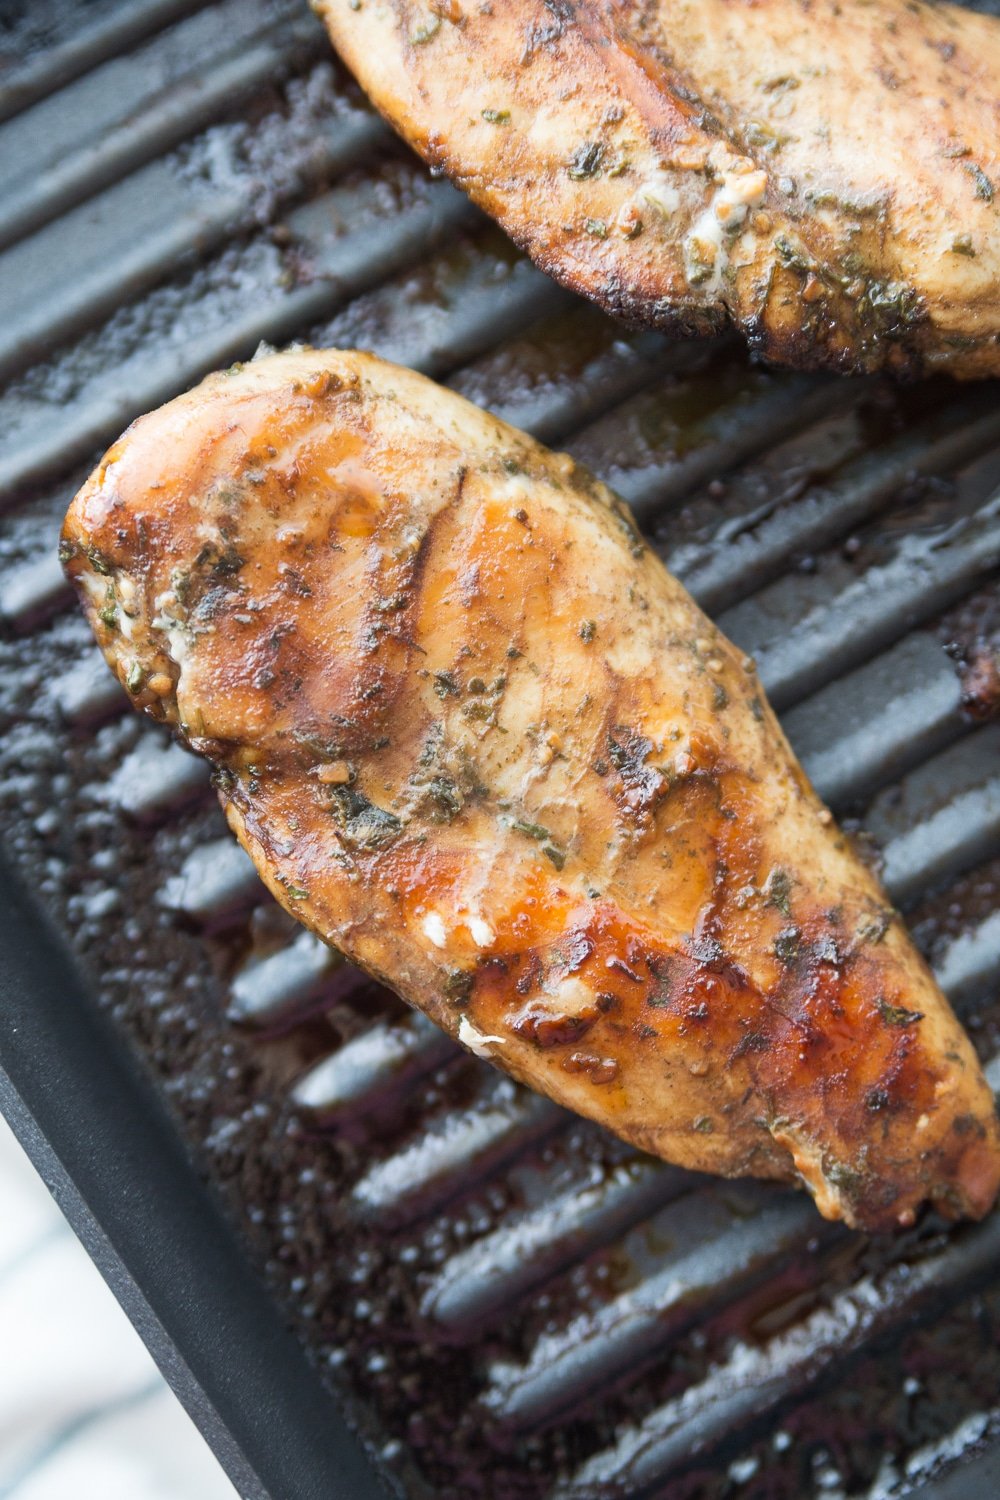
{"points": [[474, 735], [826, 174]]}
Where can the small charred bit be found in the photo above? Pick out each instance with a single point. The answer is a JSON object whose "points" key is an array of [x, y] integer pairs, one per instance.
{"points": [[221, 560], [444, 780], [572, 952], [599, 1070], [621, 967], [457, 985], [620, 890], [787, 944], [363, 823], [548, 1030], [981, 684]]}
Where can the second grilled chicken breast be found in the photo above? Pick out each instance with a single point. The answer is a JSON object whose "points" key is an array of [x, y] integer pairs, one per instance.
{"points": [[474, 735], [824, 173]]}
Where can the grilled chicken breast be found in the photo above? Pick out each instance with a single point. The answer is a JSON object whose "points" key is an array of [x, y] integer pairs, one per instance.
{"points": [[824, 173], [474, 735]]}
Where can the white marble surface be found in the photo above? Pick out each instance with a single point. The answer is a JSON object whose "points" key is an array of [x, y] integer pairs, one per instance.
{"points": [[84, 1413]]}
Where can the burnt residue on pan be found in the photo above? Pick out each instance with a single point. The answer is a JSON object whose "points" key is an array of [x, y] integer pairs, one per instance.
{"points": [[972, 639]]}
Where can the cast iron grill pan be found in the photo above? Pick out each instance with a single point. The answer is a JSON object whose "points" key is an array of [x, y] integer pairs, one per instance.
{"points": [[322, 1214]]}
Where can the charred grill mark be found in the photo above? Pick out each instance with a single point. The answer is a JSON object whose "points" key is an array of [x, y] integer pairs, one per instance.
{"points": [[797, 1044], [388, 619], [639, 786]]}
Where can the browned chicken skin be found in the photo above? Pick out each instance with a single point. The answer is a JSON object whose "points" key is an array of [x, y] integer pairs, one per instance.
{"points": [[474, 735], [824, 173]]}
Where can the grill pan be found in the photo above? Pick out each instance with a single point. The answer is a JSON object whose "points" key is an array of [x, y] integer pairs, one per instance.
{"points": [[367, 1263]]}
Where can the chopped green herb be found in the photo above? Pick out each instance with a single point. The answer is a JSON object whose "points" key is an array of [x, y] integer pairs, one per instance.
{"points": [[588, 630], [892, 306], [108, 615], [780, 84], [297, 893], [791, 255], [586, 161], [445, 685], [136, 677], [597, 227], [699, 266], [180, 582], [457, 985], [557, 856], [530, 830], [984, 186], [777, 890], [875, 928], [496, 116], [703, 1125], [844, 1178], [446, 799], [425, 31], [762, 136], [362, 822], [898, 1015], [962, 245], [97, 562]]}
